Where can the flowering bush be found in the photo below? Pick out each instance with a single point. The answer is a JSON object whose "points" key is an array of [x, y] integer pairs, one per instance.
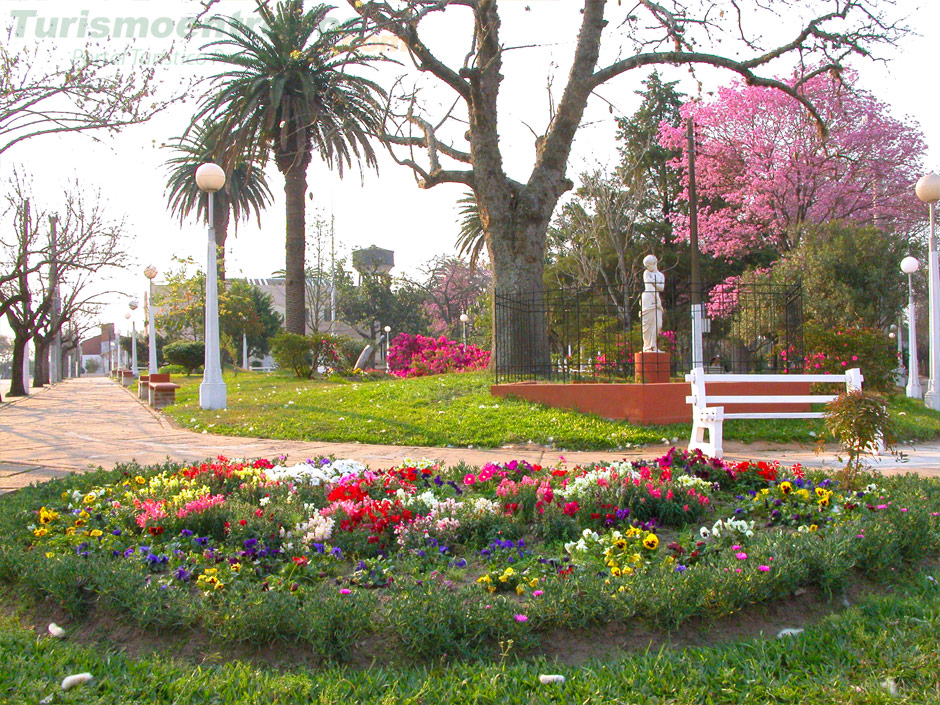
{"points": [[419, 355], [836, 350]]}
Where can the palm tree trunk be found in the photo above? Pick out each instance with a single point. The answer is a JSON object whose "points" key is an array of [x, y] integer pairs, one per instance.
{"points": [[294, 168], [220, 215]]}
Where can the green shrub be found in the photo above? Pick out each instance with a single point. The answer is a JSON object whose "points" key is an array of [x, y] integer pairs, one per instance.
{"points": [[305, 354], [835, 350], [187, 354], [858, 420], [172, 370], [347, 350], [292, 352]]}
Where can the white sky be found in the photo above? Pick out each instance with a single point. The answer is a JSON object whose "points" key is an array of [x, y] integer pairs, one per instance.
{"points": [[388, 209]]}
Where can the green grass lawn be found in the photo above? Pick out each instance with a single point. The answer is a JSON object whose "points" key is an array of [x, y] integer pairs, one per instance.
{"points": [[886, 649], [457, 410]]}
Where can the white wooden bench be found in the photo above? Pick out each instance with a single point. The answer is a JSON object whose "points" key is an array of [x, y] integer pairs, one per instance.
{"points": [[708, 416]]}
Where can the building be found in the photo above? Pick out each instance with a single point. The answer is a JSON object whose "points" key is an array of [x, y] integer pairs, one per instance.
{"points": [[100, 348]]}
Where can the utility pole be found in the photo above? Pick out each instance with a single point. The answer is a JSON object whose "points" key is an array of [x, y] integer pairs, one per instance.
{"points": [[698, 355]]}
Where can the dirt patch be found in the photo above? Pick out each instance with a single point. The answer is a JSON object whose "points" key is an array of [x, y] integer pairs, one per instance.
{"points": [[103, 628]]}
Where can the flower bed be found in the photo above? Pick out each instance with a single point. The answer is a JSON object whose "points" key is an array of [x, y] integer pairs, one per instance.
{"points": [[450, 560]]}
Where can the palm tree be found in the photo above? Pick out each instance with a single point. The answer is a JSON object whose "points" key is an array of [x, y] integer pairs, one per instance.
{"points": [[471, 239], [246, 189], [286, 87]]}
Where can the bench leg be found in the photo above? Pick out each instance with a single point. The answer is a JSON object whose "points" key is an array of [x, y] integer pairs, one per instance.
{"points": [[708, 422]]}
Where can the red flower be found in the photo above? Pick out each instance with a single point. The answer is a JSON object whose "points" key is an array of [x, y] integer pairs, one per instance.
{"points": [[300, 560], [242, 522], [155, 530]]}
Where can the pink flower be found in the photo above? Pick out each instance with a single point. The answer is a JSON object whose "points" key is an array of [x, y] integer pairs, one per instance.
{"points": [[345, 591], [520, 618], [538, 593], [736, 547], [763, 568], [741, 556], [469, 479]]}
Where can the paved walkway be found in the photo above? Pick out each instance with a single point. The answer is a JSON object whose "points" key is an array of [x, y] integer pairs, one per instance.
{"points": [[91, 421]]}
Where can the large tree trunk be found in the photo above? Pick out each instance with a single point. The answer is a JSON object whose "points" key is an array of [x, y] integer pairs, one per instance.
{"points": [[17, 388], [41, 369], [293, 166], [520, 325], [220, 215]]}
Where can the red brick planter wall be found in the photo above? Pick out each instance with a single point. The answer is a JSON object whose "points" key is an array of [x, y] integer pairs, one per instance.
{"points": [[645, 404]]}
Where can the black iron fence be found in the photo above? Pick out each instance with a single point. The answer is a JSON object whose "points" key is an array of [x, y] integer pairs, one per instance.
{"points": [[592, 335]]}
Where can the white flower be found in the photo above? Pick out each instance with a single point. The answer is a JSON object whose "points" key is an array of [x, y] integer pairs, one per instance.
{"points": [[705, 533]]}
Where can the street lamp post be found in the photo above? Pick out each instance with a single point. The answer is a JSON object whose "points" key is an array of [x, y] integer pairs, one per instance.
{"points": [[909, 265], [463, 320], [388, 339], [210, 178], [928, 190], [133, 307], [151, 273]]}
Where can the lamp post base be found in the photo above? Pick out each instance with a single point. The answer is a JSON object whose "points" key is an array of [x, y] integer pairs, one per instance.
{"points": [[914, 391], [212, 395], [932, 399]]}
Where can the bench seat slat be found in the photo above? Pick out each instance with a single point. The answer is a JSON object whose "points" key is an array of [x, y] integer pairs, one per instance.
{"points": [[778, 399], [833, 379], [776, 415]]}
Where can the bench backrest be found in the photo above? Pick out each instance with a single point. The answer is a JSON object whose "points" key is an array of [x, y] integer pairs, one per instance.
{"points": [[159, 378], [699, 398]]}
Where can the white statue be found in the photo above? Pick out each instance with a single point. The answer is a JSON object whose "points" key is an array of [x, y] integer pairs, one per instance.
{"points": [[651, 306]]}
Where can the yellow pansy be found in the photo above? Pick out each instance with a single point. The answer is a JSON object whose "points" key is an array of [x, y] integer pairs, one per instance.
{"points": [[95, 533], [40, 532], [139, 480], [651, 541], [89, 498], [786, 487]]}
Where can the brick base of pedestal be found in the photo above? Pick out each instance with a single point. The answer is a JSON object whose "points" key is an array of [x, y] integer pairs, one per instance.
{"points": [[651, 367]]}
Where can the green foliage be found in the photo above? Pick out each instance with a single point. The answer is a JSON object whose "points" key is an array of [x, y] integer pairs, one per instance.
{"points": [[858, 420], [381, 301], [92, 365], [188, 355], [347, 351], [172, 370], [304, 354], [849, 273], [835, 350], [243, 309]]}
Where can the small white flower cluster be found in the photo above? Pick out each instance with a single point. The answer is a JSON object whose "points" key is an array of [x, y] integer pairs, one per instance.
{"points": [[409, 500], [316, 529], [483, 506], [316, 474], [727, 527], [581, 544]]}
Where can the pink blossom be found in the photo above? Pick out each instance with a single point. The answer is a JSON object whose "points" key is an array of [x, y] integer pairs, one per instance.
{"points": [[763, 568], [345, 591], [741, 556], [469, 479], [538, 593], [520, 618]]}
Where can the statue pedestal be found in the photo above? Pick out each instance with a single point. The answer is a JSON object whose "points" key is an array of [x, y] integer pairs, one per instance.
{"points": [[651, 367]]}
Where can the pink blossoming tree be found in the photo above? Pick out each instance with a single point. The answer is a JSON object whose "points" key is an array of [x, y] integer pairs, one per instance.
{"points": [[765, 171]]}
